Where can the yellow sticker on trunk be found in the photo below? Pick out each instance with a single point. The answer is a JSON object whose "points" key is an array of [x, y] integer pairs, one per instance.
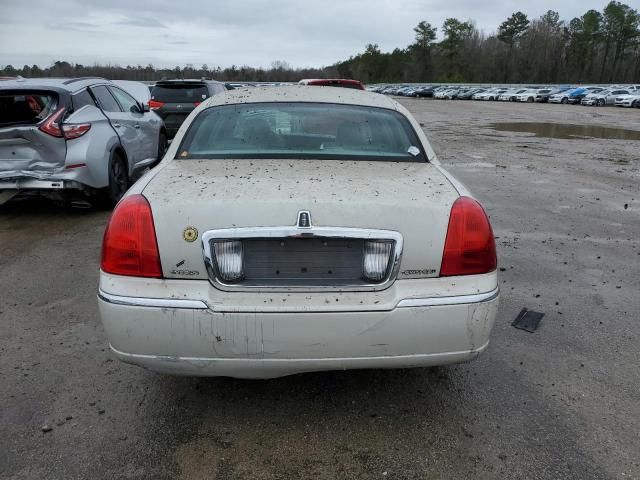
{"points": [[190, 234]]}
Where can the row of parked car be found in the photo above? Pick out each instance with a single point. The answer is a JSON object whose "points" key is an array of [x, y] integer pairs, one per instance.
{"points": [[618, 95]]}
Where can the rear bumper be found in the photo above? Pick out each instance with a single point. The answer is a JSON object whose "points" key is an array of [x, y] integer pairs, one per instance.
{"points": [[61, 179], [274, 368], [33, 184], [191, 337]]}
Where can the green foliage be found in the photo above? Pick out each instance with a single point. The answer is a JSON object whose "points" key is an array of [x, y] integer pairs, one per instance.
{"points": [[513, 28], [425, 35], [551, 19]]}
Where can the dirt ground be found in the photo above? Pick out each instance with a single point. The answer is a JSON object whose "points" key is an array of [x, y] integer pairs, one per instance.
{"points": [[563, 402]]}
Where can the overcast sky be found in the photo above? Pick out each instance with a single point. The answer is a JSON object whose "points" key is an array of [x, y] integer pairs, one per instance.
{"points": [[241, 32]]}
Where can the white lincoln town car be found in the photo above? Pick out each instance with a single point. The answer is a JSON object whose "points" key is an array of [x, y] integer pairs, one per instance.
{"points": [[297, 229]]}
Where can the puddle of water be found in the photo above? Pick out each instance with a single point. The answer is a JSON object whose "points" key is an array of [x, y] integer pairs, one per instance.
{"points": [[567, 131]]}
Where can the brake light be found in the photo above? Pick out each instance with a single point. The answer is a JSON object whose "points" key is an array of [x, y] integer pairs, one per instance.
{"points": [[129, 246], [51, 126], [154, 104], [75, 130], [470, 247], [196, 103]]}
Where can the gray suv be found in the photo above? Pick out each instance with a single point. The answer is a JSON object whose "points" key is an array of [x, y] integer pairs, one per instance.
{"points": [[80, 138], [174, 100]]}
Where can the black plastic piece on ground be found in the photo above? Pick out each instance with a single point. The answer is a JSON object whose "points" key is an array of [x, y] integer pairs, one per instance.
{"points": [[528, 320]]}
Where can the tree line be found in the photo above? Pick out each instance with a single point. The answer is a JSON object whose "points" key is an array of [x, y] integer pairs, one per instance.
{"points": [[278, 72], [597, 47], [602, 47]]}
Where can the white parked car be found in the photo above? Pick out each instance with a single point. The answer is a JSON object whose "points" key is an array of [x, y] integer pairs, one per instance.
{"points": [[564, 96], [486, 92], [445, 94], [297, 229], [628, 100], [491, 94], [605, 97], [529, 95], [510, 94]]}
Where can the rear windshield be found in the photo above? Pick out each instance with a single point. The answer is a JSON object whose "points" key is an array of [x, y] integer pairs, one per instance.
{"points": [[26, 108], [180, 93], [303, 131]]}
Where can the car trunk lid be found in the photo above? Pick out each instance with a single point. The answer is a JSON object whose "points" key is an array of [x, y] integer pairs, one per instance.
{"points": [[413, 199]]}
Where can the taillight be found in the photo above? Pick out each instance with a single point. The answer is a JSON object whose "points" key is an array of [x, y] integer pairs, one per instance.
{"points": [[154, 104], [129, 246], [470, 247], [75, 130], [51, 125], [196, 103]]}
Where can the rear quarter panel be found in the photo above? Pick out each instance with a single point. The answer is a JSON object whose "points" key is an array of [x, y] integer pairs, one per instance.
{"points": [[94, 148]]}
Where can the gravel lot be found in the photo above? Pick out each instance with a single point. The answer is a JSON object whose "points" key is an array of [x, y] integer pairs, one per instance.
{"points": [[563, 402]]}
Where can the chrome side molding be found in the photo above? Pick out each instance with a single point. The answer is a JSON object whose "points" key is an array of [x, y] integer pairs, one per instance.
{"points": [[454, 300], [152, 302], [201, 305]]}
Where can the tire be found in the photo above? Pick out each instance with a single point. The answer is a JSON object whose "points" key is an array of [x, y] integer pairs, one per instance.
{"points": [[530, 100], [564, 101], [491, 99], [118, 180], [600, 102], [163, 144]]}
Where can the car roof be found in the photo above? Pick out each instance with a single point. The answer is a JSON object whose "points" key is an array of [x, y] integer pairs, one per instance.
{"points": [[69, 84], [302, 93], [186, 80], [334, 81]]}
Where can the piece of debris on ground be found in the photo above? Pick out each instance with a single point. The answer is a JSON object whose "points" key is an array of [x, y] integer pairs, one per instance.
{"points": [[528, 320]]}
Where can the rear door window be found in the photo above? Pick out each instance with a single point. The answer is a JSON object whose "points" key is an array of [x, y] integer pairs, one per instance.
{"points": [[81, 99], [105, 99], [180, 93], [126, 101], [25, 107]]}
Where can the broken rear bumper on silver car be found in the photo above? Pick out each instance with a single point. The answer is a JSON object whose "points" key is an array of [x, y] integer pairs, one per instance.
{"points": [[189, 336]]}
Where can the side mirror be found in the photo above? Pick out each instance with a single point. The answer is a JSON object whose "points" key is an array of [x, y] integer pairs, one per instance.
{"points": [[145, 108]]}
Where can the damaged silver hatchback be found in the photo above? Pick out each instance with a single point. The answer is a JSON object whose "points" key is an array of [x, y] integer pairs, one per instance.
{"points": [[82, 139]]}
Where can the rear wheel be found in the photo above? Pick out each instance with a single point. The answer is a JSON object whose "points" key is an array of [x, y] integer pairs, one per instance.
{"points": [[564, 101], [118, 180], [162, 147]]}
